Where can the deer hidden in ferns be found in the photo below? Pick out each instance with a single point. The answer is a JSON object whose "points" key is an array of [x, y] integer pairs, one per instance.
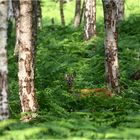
{"points": [[86, 91]]}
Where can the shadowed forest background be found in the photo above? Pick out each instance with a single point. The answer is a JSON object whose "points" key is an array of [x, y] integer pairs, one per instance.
{"points": [[62, 50]]}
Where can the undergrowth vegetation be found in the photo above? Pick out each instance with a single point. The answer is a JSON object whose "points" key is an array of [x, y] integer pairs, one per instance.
{"points": [[63, 115]]}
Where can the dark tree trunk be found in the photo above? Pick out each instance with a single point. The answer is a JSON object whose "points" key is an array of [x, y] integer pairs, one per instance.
{"points": [[62, 13], [39, 13], [111, 44], [36, 23], [82, 11]]}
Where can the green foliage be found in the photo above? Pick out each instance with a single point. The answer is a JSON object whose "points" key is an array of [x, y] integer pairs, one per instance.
{"points": [[64, 115]]}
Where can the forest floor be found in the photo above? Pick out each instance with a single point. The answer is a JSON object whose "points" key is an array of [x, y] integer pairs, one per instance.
{"points": [[60, 51]]}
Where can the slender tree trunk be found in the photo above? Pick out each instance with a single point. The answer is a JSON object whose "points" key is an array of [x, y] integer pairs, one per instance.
{"points": [[36, 25], [4, 110], [90, 19], [38, 12], [121, 9], [82, 11], [62, 13], [77, 13], [16, 9], [35, 20], [111, 44], [26, 58]]}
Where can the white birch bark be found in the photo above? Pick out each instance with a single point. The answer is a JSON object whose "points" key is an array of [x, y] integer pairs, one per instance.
{"points": [[26, 58], [111, 44], [90, 18], [4, 111]]}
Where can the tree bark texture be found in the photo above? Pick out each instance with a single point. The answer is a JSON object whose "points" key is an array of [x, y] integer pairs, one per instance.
{"points": [[35, 20], [36, 25], [62, 12], [121, 8], [77, 13], [82, 11], [111, 44], [4, 110], [26, 58], [90, 18], [16, 10], [39, 14]]}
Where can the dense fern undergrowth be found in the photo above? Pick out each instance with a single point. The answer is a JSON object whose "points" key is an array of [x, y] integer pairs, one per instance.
{"points": [[63, 115]]}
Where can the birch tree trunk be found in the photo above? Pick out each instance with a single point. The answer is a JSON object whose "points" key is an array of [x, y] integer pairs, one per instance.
{"points": [[26, 58], [111, 44], [77, 13], [90, 18], [121, 8], [62, 12], [16, 9], [4, 110]]}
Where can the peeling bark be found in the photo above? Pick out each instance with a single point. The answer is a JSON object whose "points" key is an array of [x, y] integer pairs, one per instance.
{"points": [[90, 18], [26, 58], [4, 110], [111, 44], [77, 13]]}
